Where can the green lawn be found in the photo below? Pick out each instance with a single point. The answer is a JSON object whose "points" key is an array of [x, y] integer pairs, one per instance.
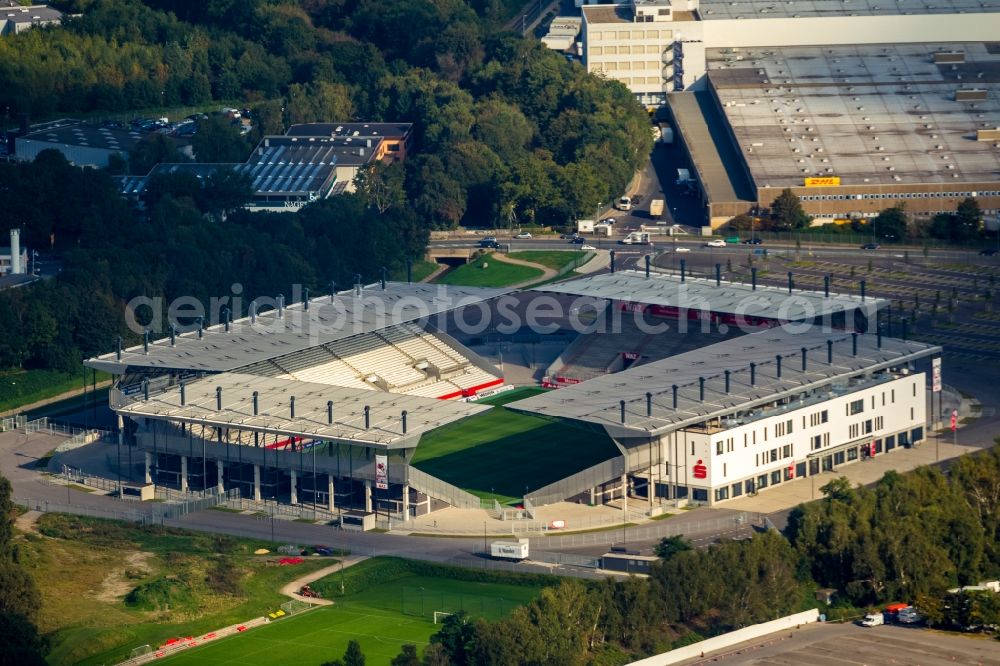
{"points": [[420, 270], [499, 453], [554, 259], [394, 606], [495, 274], [25, 387]]}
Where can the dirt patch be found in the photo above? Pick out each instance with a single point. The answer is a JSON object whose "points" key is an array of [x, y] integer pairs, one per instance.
{"points": [[28, 521], [121, 580]]}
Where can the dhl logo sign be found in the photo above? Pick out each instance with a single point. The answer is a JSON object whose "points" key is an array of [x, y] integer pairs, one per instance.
{"points": [[823, 182]]}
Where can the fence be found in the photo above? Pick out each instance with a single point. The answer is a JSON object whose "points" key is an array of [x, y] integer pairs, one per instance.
{"points": [[77, 436], [648, 532], [575, 484], [296, 511], [435, 487], [48, 506]]}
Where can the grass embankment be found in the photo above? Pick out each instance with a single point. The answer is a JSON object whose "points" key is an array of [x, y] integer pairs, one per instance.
{"points": [[387, 602], [554, 259], [489, 272], [502, 452], [23, 387], [108, 586], [418, 271]]}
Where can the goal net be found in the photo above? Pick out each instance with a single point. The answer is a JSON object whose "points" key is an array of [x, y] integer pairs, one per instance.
{"points": [[140, 651], [294, 607], [439, 616]]}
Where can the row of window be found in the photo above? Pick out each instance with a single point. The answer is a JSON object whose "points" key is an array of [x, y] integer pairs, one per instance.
{"points": [[900, 195], [597, 35], [631, 49], [628, 66], [827, 464], [820, 441], [866, 427], [773, 456]]}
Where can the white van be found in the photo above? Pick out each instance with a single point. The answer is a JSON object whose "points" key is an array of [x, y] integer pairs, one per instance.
{"points": [[624, 203]]}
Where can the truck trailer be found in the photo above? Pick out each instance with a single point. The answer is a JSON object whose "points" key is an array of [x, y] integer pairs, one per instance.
{"points": [[636, 238], [655, 208], [509, 550]]}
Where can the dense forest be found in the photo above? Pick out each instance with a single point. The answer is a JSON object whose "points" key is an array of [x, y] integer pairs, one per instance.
{"points": [[506, 133]]}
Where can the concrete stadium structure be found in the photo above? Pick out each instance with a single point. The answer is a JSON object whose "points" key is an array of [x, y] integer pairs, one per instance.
{"points": [[324, 401], [299, 400]]}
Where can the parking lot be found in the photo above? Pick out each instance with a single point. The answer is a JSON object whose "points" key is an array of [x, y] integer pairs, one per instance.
{"points": [[848, 644]]}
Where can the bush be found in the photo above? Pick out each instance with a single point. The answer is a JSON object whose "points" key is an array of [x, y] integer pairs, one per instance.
{"points": [[225, 577], [159, 593]]}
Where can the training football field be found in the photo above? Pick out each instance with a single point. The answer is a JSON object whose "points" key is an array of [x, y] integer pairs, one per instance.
{"points": [[382, 619], [501, 453]]}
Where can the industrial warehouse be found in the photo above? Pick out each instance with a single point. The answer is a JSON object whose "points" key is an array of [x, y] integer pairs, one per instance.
{"points": [[704, 390], [880, 105]]}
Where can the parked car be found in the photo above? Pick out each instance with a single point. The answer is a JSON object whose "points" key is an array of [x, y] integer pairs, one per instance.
{"points": [[523, 234], [870, 246], [568, 236], [753, 241], [909, 615], [988, 252], [718, 242]]}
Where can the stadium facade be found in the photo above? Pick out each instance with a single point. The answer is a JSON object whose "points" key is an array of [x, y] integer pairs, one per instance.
{"points": [[713, 390]]}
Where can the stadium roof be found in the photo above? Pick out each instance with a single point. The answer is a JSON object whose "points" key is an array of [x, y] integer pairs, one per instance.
{"points": [[311, 416], [597, 400], [699, 293], [870, 115], [270, 335]]}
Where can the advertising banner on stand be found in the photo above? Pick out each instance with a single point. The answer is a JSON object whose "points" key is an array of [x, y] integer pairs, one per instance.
{"points": [[382, 472]]}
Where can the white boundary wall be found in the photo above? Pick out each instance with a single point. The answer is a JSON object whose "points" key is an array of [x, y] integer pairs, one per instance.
{"points": [[730, 639]]}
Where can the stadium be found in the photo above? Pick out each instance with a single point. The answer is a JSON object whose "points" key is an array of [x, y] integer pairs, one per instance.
{"points": [[395, 400]]}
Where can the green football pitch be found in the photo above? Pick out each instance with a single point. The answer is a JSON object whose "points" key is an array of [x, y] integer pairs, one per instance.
{"points": [[501, 453], [382, 619]]}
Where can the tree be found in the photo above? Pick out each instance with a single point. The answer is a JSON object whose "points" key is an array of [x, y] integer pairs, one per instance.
{"points": [[787, 213], [6, 516], [218, 141], [891, 223], [21, 644], [456, 637], [968, 220], [406, 657], [383, 185], [225, 191], [353, 655], [152, 150], [670, 546], [742, 222]]}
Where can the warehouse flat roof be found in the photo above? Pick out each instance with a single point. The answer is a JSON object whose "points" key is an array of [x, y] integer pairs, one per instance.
{"points": [[311, 416], [271, 336], [77, 133], [359, 130], [597, 400], [750, 9], [868, 114], [699, 293]]}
